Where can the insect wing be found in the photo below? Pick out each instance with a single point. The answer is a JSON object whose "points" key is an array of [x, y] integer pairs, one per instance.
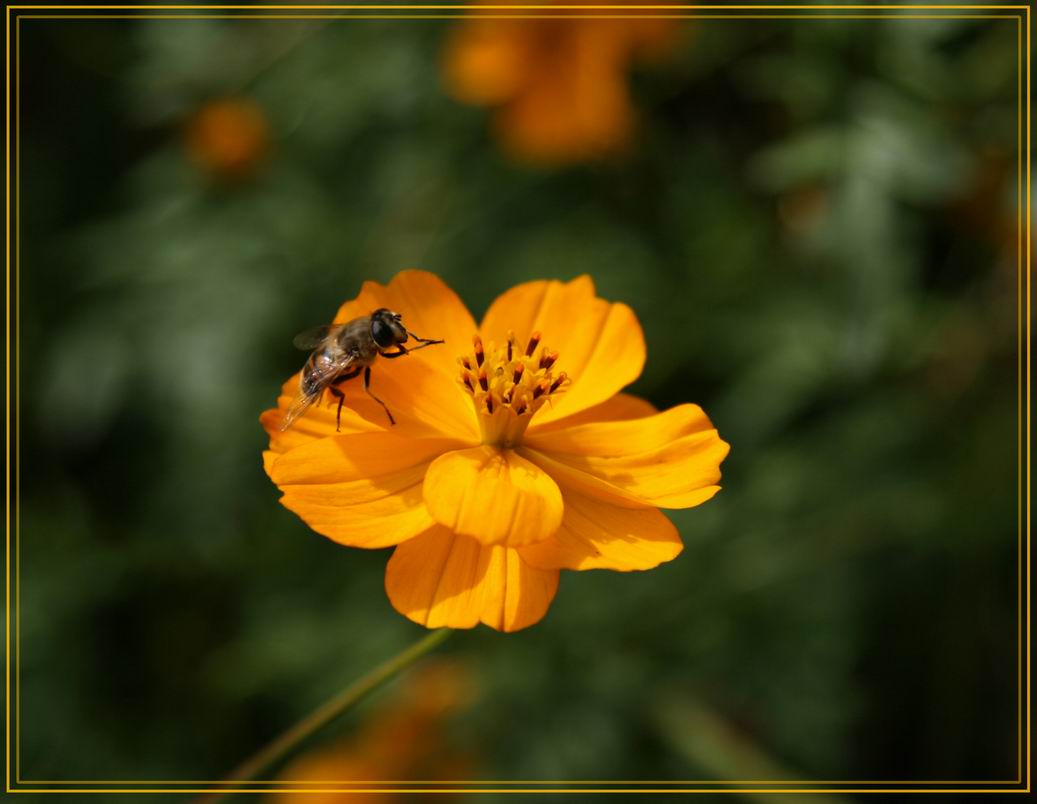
{"points": [[321, 376], [299, 407], [314, 337]]}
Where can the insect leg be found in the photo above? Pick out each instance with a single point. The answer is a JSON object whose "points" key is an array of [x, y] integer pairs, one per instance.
{"points": [[335, 392], [367, 388], [423, 341], [341, 396], [405, 351]]}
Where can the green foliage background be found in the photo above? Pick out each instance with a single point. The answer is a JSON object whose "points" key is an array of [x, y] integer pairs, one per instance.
{"points": [[817, 231]]}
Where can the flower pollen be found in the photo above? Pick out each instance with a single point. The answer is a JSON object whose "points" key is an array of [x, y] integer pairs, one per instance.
{"points": [[508, 385]]}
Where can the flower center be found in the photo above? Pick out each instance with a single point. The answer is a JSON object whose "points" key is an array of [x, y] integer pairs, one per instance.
{"points": [[508, 384]]}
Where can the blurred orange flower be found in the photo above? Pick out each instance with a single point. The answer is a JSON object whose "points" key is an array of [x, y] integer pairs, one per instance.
{"points": [[514, 454], [228, 138], [404, 740], [560, 86]]}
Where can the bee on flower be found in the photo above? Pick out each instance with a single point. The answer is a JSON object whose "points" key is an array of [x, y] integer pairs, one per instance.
{"points": [[558, 85], [514, 453]]}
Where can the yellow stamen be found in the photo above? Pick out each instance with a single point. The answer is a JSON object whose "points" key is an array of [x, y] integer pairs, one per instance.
{"points": [[508, 385]]}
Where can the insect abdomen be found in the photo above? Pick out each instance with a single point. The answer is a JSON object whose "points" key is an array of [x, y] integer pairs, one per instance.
{"points": [[310, 383], [315, 373]]}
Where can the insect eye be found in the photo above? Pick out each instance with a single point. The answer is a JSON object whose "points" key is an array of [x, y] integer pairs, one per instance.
{"points": [[382, 334]]}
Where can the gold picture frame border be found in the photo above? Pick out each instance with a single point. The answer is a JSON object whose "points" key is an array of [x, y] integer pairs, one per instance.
{"points": [[1018, 12]]}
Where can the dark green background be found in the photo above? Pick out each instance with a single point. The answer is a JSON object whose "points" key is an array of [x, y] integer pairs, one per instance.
{"points": [[816, 229]]}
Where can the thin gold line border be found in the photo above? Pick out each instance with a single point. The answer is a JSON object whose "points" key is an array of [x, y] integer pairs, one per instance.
{"points": [[254, 7]]}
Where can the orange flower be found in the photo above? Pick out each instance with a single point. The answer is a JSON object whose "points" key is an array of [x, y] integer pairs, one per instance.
{"points": [[560, 85], [514, 455], [404, 740], [228, 138]]}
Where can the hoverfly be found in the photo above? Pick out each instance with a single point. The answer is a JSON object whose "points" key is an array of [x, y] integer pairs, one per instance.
{"points": [[343, 351]]}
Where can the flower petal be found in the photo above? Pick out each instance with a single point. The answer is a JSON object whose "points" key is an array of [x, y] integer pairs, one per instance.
{"points": [[575, 104], [421, 388], [487, 61], [671, 460], [361, 490], [601, 345], [445, 580], [617, 408], [318, 422], [493, 495], [596, 535], [612, 438]]}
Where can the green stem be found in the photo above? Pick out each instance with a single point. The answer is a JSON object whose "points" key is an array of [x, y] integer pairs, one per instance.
{"points": [[334, 707]]}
